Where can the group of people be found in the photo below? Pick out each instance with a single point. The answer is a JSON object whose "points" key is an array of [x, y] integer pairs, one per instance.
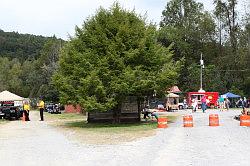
{"points": [[147, 113], [242, 103], [245, 111], [26, 110], [224, 103], [204, 102]]}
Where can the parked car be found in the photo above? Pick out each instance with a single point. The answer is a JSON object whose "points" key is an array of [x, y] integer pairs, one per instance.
{"points": [[53, 108], [1, 113], [182, 105], [9, 111]]}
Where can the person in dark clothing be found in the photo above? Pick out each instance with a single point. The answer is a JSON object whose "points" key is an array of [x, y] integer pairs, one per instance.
{"points": [[146, 112], [41, 108]]}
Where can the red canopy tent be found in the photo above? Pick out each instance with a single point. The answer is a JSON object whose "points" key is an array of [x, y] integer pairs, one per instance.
{"points": [[174, 89]]}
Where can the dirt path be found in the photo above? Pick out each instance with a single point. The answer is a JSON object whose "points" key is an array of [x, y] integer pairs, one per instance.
{"points": [[34, 143], [228, 144], [37, 143]]}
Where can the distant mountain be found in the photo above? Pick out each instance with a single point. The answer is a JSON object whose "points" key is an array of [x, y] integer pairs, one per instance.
{"points": [[21, 46]]}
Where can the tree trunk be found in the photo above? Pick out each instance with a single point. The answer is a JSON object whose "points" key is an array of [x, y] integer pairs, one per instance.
{"points": [[117, 113], [139, 108]]}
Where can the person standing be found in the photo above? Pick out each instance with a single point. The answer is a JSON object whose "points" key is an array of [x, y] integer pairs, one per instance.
{"points": [[244, 105], [221, 103], [26, 110], [203, 103], [185, 103], [227, 103], [41, 108], [194, 104]]}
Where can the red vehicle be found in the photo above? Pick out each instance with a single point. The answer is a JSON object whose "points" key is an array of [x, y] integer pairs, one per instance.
{"points": [[211, 96]]}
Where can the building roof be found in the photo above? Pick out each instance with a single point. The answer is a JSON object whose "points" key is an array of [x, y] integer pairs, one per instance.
{"points": [[174, 89], [172, 95], [231, 95], [8, 96]]}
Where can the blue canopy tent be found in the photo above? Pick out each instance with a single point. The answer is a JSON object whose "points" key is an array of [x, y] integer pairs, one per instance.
{"points": [[231, 95]]}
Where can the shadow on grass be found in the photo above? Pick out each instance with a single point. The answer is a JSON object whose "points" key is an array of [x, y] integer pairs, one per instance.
{"points": [[144, 125], [84, 124]]}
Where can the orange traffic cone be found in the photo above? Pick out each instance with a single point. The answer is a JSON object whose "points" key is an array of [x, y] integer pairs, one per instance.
{"points": [[23, 118]]}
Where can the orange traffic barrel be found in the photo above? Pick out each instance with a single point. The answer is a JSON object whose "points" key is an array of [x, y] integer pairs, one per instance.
{"points": [[188, 121], [244, 120], [162, 122], [213, 120]]}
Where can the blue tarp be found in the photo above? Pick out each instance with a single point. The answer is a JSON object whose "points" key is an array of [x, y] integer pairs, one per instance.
{"points": [[231, 95]]}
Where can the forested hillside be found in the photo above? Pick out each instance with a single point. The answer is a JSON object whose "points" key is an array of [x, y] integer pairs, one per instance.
{"points": [[21, 46], [27, 63]]}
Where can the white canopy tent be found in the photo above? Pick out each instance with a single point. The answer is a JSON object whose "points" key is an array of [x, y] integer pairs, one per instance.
{"points": [[172, 95], [8, 96], [172, 101]]}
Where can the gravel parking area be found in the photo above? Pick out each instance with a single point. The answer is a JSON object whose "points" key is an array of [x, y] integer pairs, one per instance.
{"points": [[37, 143]]}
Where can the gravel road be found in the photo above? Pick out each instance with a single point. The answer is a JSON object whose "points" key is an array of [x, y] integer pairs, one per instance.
{"points": [[36, 143]]}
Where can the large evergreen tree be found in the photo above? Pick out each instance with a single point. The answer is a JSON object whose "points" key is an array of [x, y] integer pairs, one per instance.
{"points": [[114, 54]]}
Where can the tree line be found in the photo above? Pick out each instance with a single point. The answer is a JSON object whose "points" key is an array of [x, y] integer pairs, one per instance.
{"points": [[117, 53], [27, 63]]}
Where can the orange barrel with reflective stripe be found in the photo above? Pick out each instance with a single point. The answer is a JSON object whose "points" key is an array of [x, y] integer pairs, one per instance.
{"points": [[187, 121], [213, 120], [162, 122], [244, 120]]}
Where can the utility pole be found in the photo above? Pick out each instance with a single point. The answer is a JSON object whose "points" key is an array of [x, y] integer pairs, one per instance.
{"points": [[202, 67]]}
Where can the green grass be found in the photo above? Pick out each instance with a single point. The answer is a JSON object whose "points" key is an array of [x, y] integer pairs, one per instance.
{"points": [[116, 128], [65, 116], [111, 128], [78, 121]]}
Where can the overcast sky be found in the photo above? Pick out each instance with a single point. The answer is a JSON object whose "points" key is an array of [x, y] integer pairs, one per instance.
{"points": [[59, 17]]}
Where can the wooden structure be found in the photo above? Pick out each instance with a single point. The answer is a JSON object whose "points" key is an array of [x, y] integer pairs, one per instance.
{"points": [[129, 112], [172, 101]]}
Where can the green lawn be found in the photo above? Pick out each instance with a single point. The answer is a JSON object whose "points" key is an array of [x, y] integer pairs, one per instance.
{"points": [[116, 128], [78, 121], [102, 133], [111, 128], [65, 116]]}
